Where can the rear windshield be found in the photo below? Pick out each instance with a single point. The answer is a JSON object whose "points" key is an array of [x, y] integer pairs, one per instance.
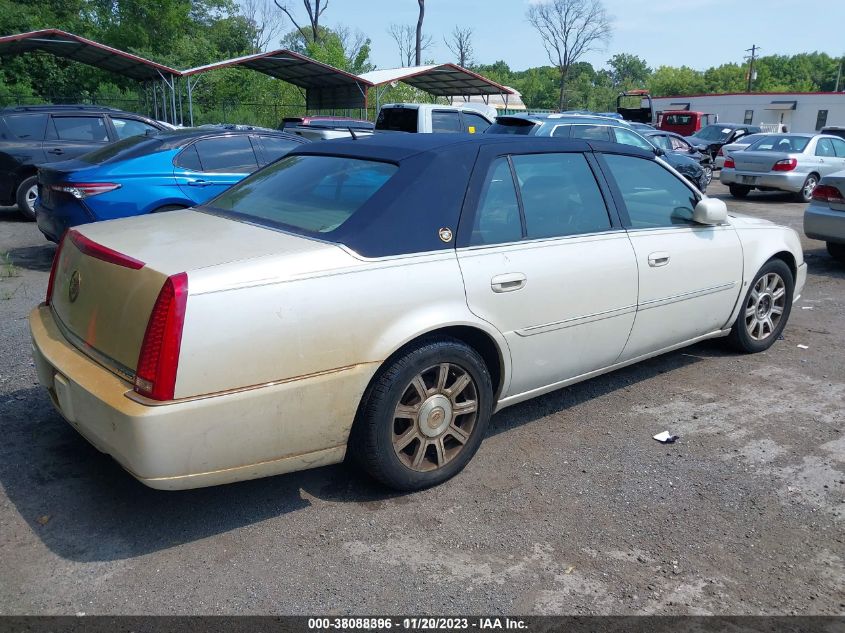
{"points": [[678, 119], [779, 143], [311, 194], [519, 127], [397, 119], [130, 147]]}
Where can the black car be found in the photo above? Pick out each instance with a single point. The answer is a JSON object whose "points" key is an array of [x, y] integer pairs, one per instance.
{"points": [[711, 138], [32, 135], [672, 143]]}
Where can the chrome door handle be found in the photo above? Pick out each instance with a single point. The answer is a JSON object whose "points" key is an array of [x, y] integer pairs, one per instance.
{"points": [[658, 259], [508, 282], [198, 183]]}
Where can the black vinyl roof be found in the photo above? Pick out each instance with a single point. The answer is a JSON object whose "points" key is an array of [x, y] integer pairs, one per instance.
{"points": [[70, 46]]}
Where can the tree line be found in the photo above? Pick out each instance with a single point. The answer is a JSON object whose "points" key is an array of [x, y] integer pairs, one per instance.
{"points": [[184, 34]]}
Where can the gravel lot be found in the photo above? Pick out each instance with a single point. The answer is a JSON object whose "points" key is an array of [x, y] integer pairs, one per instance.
{"points": [[569, 506]]}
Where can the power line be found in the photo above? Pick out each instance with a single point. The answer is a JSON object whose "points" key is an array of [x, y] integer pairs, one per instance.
{"points": [[752, 58]]}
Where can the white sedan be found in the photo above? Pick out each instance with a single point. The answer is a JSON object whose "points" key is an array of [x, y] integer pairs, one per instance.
{"points": [[385, 297]]}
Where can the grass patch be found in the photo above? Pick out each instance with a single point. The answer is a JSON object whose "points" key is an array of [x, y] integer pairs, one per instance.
{"points": [[8, 269]]}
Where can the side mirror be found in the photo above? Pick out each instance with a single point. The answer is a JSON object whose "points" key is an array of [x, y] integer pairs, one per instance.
{"points": [[710, 211], [658, 151]]}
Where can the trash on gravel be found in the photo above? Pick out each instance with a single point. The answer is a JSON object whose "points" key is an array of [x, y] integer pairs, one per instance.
{"points": [[666, 437], [806, 307], [803, 346]]}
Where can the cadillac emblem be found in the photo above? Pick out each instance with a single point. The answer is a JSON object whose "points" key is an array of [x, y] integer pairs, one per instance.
{"points": [[445, 234], [73, 286]]}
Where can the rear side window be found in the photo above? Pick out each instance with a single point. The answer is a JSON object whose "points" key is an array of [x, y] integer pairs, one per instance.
{"points": [[27, 126], [592, 132], [78, 128], [475, 123], [227, 155], [562, 131], [825, 148], [274, 147], [448, 121], [839, 147], [497, 220], [315, 194], [397, 119], [189, 159], [560, 195], [130, 127], [653, 196]]}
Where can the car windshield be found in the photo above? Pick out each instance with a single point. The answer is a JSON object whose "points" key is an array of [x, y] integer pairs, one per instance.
{"points": [[311, 194], [714, 133], [121, 150], [780, 143]]}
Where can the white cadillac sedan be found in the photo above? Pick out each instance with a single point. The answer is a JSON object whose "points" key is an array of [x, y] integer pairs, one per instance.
{"points": [[384, 296]]}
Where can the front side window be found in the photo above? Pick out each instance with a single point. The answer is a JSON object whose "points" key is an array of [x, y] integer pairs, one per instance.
{"points": [[560, 195], [79, 128], [312, 194], [653, 196], [275, 147], [131, 127], [448, 121], [227, 155], [497, 220], [627, 137]]}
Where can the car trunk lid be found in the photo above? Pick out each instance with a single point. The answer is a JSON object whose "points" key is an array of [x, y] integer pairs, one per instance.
{"points": [[108, 275], [758, 162]]}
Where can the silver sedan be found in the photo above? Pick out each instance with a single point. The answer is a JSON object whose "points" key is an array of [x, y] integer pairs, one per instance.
{"points": [[784, 162], [824, 217]]}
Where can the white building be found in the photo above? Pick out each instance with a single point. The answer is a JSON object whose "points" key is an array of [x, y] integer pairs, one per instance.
{"points": [[798, 111]]}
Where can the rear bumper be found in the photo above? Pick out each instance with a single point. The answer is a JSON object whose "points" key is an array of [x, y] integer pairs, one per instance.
{"points": [[54, 222], [824, 223], [213, 440], [786, 181]]}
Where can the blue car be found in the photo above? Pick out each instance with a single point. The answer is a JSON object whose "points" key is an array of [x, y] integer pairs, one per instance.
{"points": [[148, 174]]}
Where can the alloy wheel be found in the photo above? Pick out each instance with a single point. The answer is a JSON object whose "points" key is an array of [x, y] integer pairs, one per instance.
{"points": [[764, 307], [31, 195], [435, 417]]}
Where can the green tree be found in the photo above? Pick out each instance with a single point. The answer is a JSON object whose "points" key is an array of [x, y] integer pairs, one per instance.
{"points": [[628, 71]]}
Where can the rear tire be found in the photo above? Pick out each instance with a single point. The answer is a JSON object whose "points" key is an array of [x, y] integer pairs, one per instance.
{"points": [[424, 415], [26, 194], [837, 251], [765, 309], [739, 191], [708, 175], [806, 193]]}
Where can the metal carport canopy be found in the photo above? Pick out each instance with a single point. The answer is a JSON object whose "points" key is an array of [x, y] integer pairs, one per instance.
{"points": [[442, 80], [326, 87], [70, 46]]}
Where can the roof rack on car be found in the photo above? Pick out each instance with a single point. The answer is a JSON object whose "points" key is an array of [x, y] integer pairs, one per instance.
{"points": [[63, 106]]}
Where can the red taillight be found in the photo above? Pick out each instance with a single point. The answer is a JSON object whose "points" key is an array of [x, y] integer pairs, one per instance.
{"points": [[729, 163], [54, 269], [828, 193], [155, 376], [104, 253], [80, 190], [787, 164]]}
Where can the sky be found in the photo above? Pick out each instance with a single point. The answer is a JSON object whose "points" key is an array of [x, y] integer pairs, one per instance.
{"points": [[695, 33]]}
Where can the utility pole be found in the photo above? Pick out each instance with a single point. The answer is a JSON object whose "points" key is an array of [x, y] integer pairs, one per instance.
{"points": [[839, 73], [753, 50]]}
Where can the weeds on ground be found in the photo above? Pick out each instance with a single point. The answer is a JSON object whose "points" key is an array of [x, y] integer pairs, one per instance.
{"points": [[7, 267]]}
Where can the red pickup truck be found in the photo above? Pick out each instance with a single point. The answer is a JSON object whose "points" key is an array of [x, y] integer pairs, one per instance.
{"points": [[685, 122]]}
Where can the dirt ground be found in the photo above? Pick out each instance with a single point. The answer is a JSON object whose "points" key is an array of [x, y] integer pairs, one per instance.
{"points": [[569, 507]]}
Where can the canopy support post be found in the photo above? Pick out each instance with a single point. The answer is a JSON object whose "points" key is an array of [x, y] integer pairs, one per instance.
{"points": [[190, 102]]}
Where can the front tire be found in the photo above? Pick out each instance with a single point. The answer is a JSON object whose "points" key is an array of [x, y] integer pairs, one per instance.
{"points": [[424, 415], [837, 251], [765, 309], [707, 178], [739, 191], [26, 195], [806, 193]]}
